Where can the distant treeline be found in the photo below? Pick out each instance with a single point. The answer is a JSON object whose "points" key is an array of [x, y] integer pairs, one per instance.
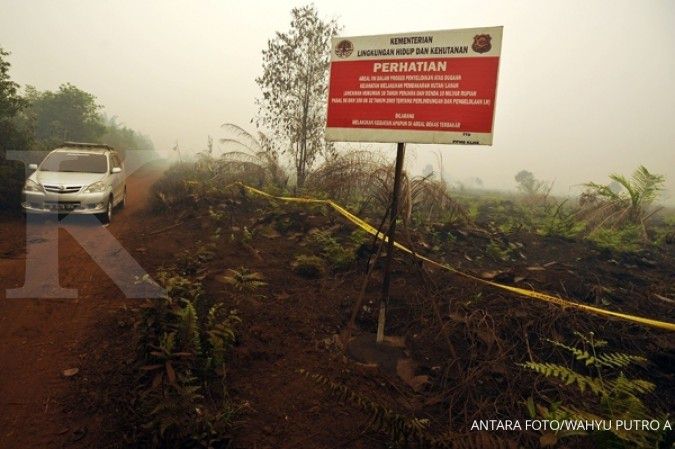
{"points": [[71, 114]]}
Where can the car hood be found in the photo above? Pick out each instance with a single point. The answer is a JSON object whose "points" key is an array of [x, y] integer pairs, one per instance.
{"points": [[66, 179]]}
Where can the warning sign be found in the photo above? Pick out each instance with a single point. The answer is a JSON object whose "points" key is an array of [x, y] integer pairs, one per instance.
{"points": [[426, 87]]}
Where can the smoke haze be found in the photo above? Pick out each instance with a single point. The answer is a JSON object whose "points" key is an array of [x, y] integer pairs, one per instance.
{"points": [[585, 87]]}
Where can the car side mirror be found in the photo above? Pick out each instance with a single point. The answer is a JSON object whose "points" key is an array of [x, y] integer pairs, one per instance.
{"points": [[32, 166], [116, 170]]}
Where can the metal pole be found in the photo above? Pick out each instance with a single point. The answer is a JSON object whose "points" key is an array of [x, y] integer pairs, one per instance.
{"points": [[400, 154]]}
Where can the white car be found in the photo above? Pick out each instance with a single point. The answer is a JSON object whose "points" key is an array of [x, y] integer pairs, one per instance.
{"points": [[77, 178]]}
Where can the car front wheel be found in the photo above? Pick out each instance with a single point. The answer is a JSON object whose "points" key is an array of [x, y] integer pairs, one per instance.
{"points": [[106, 217]]}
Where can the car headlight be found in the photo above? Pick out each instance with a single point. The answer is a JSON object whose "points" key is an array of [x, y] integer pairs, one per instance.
{"points": [[95, 187], [32, 186]]}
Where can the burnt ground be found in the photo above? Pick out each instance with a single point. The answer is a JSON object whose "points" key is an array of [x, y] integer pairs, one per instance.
{"points": [[465, 338]]}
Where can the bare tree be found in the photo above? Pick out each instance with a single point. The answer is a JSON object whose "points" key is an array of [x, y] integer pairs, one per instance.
{"points": [[294, 86], [536, 191]]}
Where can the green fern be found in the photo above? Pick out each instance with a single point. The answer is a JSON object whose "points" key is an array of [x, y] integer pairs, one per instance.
{"points": [[617, 395], [188, 329], [242, 280], [609, 360], [566, 375], [619, 360], [404, 430], [630, 386], [168, 411], [182, 339], [179, 287], [398, 427], [220, 335], [339, 257]]}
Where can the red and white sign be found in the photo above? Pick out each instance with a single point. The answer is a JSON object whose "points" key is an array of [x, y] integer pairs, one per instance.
{"points": [[426, 87]]}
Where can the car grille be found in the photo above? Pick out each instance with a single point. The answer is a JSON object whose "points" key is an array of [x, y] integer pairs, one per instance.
{"points": [[62, 189]]}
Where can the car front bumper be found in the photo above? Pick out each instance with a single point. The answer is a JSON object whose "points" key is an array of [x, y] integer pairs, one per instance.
{"points": [[70, 203]]}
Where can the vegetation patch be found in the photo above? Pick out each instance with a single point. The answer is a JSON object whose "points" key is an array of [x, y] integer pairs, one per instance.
{"points": [[312, 267], [182, 346], [615, 397], [339, 257]]}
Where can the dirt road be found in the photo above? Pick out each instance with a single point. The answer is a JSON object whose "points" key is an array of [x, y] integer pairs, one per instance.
{"points": [[40, 338]]}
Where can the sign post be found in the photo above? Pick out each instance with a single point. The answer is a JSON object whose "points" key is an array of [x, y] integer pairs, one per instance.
{"points": [[435, 87], [391, 233]]}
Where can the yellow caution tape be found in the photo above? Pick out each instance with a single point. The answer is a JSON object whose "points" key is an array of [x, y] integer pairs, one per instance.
{"points": [[528, 293]]}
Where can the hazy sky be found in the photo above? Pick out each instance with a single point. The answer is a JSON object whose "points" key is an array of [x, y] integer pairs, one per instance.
{"points": [[585, 88]]}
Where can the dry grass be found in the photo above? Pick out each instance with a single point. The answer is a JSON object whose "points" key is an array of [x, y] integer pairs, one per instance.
{"points": [[365, 181], [242, 157], [347, 177], [247, 156], [359, 179]]}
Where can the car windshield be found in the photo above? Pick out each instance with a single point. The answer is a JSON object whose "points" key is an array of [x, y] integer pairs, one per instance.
{"points": [[75, 162]]}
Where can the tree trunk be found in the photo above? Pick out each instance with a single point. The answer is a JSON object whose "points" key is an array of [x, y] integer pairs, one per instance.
{"points": [[302, 168]]}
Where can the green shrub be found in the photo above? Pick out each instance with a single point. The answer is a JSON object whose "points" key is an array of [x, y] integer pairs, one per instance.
{"points": [[498, 251], [338, 257], [183, 184], [560, 226], [312, 267], [359, 237], [664, 231], [626, 239], [11, 182]]}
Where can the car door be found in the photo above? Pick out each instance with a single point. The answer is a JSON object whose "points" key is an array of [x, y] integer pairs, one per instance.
{"points": [[116, 178]]}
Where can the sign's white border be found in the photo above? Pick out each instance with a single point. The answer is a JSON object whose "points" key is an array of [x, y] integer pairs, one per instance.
{"points": [[449, 38]]}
